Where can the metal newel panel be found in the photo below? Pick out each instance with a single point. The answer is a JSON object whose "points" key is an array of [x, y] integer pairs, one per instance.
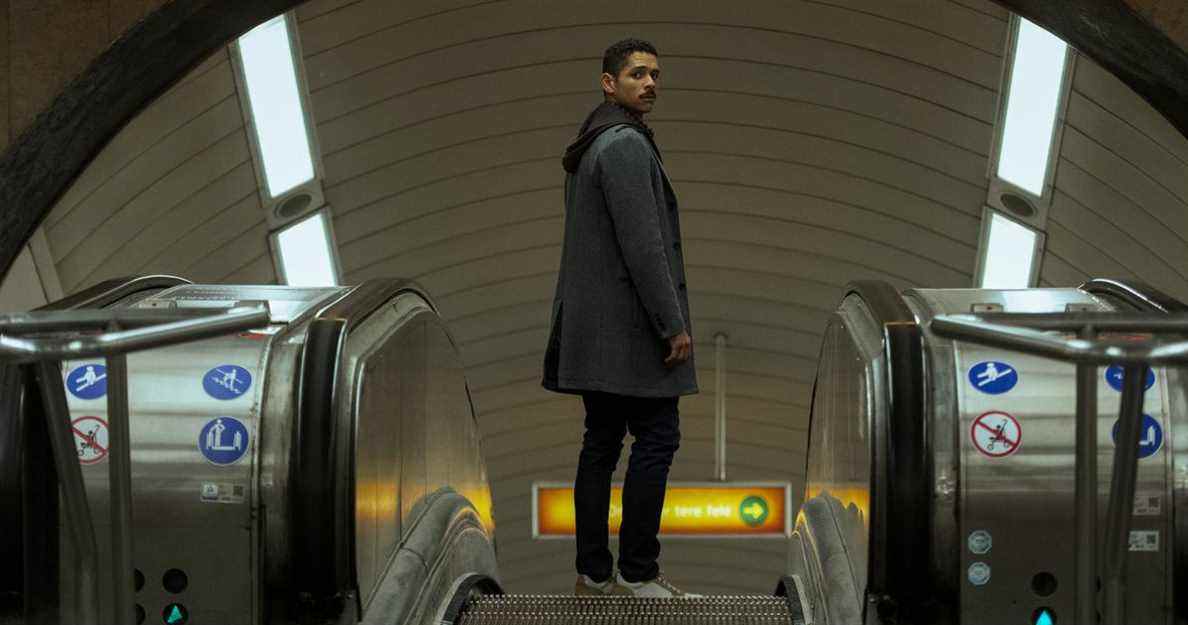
{"points": [[120, 479], [1121, 506], [1085, 494], [74, 493]]}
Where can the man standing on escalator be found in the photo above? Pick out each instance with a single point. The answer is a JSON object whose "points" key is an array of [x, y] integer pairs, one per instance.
{"points": [[621, 335]]}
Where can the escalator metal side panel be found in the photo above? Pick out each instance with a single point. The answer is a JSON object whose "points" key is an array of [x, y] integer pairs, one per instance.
{"points": [[951, 500], [445, 541], [27, 471], [927, 303], [1142, 297], [412, 412], [392, 425], [1022, 497], [901, 544], [848, 526]]}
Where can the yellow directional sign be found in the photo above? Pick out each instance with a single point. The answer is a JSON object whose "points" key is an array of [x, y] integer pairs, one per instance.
{"points": [[691, 509]]}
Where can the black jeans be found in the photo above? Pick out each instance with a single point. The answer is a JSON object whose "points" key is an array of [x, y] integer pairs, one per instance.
{"points": [[655, 424]]}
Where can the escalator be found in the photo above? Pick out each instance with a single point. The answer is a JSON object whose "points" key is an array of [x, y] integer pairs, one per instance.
{"points": [[360, 494], [940, 482]]}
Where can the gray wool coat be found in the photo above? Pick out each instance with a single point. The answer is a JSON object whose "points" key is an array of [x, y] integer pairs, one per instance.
{"points": [[621, 291]]}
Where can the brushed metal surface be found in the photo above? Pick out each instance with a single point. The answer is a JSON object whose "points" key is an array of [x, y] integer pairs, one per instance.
{"points": [[214, 543], [1017, 502], [1024, 499], [403, 390], [847, 398], [416, 433]]}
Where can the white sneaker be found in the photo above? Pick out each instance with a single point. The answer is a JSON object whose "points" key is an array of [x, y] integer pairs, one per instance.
{"points": [[584, 586], [659, 587]]}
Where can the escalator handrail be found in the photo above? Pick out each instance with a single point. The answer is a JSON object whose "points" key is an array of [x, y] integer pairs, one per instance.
{"points": [[1140, 295], [322, 469], [789, 588], [900, 552], [883, 300], [464, 591], [108, 292]]}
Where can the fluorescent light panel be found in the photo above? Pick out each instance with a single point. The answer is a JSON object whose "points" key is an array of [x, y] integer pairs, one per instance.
{"points": [[305, 253], [1009, 255], [277, 113], [1036, 74]]}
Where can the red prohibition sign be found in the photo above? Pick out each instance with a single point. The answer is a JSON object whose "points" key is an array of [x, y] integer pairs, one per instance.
{"points": [[90, 439], [996, 434]]}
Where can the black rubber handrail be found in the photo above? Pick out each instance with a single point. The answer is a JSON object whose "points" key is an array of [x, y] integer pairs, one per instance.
{"points": [[322, 463], [1140, 295], [788, 589], [111, 291], [472, 584], [901, 545]]}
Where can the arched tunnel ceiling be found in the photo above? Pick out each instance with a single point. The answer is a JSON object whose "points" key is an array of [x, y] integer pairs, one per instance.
{"points": [[1140, 41], [811, 143]]}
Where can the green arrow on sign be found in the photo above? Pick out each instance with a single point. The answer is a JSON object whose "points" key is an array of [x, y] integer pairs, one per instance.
{"points": [[753, 510]]}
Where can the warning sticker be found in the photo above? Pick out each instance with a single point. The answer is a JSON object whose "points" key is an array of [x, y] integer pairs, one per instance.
{"points": [[1144, 540], [90, 439], [996, 434], [87, 381], [220, 492], [1147, 504], [224, 440], [993, 377]]}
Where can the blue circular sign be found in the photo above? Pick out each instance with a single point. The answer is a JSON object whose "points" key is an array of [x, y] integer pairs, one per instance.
{"points": [[1150, 436], [993, 377], [87, 381], [224, 440], [1113, 376], [227, 381]]}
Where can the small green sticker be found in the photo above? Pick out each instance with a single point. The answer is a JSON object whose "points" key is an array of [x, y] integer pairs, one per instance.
{"points": [[753, 510]]}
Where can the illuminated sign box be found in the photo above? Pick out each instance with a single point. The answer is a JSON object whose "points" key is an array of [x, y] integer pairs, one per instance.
{"points": [[691, 510]]}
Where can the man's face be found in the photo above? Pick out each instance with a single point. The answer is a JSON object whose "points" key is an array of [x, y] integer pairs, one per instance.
{"points": [[635, 86]]}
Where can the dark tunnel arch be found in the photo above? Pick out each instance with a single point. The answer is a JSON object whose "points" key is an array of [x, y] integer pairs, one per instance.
{"points": [[45, 159]]}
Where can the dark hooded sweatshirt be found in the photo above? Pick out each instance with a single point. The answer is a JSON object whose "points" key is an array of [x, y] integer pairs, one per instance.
{"points": [[607, 115]]}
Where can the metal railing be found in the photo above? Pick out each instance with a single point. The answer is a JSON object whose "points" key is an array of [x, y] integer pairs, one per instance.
{"points": [[1031, 334], [40, 341]]}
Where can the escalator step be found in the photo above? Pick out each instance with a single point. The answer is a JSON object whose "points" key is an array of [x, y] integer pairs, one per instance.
{"points": [[558, 609]]}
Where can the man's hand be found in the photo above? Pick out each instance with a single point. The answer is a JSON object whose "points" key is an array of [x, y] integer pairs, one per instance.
{"points": [[682, 347]]}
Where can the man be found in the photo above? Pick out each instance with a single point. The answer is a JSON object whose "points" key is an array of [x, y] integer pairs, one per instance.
{"points": [[621, 335]]}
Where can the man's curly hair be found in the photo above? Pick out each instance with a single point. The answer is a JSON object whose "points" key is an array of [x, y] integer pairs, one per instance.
{"points": [[615, 56]]}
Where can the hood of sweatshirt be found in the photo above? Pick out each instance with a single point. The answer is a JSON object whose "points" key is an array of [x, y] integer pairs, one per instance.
{"points": [[606, 116]]}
